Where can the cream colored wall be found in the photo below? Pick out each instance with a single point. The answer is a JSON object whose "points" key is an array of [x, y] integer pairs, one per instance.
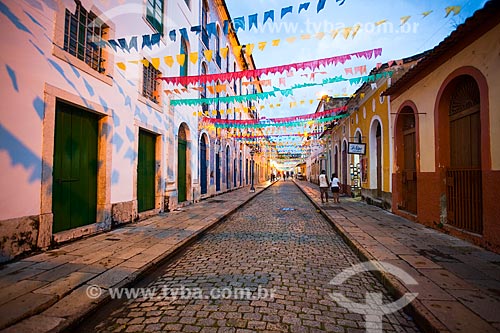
{"points": [[482, 54]]}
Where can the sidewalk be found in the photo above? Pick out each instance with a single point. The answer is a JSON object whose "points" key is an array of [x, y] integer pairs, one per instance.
{"points": [[47, 292], [458, 283]]}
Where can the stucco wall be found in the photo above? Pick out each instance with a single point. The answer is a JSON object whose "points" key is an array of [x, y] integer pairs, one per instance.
{"points": [[34, 61]]}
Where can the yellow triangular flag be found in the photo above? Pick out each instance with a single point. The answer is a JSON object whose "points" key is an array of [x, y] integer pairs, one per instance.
{"points": [[145, 62], [424, 14], [276, 42], [262, 45], [193, 57], [155, 62], [208, 55], [168, 60], [346, 32], [121, 66], [404, 19], [380, 22], [334, 33], [291, 39], [305, 36], [249, 49], [181, 59], [223, 52], [355, 30], [454, 9], [320, 35]]}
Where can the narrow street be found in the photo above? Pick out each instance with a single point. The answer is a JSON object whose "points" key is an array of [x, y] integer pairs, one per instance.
{"points": [[277, 244]]}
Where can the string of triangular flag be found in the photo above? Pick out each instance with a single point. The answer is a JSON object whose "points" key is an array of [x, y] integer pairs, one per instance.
{"points": [[283, 92], [149, 41], [312, 65]]}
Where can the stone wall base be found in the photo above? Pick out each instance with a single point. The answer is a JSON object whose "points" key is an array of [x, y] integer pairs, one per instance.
{"points": [[123, 212], [370, 196]]}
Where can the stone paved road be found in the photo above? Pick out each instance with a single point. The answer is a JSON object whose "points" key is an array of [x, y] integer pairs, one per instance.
{"points": [[293, 253]]}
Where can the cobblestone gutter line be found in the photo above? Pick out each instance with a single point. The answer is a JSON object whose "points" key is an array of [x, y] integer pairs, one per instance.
{"points": [[62, 311]]}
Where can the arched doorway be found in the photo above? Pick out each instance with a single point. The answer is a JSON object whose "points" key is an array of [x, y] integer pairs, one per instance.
{"points": [[378, 135], [182, 165], [345, 171], [203, 165], [235, 173], [407, 161], [217, 172], [241, 169], [228, 168], [463, 175], [246, 171], [336, 160]]}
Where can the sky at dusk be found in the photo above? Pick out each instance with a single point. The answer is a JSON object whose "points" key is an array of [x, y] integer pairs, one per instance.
{"points": [[418, 34]]}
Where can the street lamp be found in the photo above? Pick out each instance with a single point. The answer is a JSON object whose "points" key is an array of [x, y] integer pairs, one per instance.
{"points": [[252, 189]]}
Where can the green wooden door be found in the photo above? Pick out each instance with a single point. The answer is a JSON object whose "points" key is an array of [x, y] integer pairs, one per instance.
{"points": [[146, 172], [181, 171], [74, 195]]}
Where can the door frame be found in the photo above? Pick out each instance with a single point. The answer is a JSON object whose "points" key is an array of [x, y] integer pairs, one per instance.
{"points": [[399, 195], [105, 130]]}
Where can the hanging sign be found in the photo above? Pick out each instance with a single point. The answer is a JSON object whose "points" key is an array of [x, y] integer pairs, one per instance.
{"points": [[356, 148]]}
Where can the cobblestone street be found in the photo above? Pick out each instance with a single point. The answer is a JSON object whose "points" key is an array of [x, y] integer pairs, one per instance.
{"points": [[277, 242]]}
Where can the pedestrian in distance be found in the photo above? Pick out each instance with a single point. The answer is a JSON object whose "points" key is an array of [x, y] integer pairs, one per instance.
{"points": [[324, 184], [335, 186]]}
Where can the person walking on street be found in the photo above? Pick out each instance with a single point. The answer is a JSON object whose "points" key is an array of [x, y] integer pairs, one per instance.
{"points": [[335, 186], [324, 184]]}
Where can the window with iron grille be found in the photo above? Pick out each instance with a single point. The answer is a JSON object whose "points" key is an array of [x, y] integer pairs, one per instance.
{"points": [[83, 36], [151, 86], [154, 14]]}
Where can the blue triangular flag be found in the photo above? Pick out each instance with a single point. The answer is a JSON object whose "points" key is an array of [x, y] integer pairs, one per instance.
{"points": [[268, 15], [113, 44], [184, 34], [155, 39], [146, 41], [252, 20], [196, 29], [133, 43], [238, 23], [211, 29], [123, 44], [304, 6], [173, 35], [321, 5], [286, 10]]}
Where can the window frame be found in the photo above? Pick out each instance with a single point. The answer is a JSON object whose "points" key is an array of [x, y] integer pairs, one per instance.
{"points": [[152, 19], [59, 52], [146, 76]]}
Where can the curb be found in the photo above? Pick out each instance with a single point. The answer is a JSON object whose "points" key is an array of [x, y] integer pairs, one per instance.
{"points": [[58, 324], [424, 319]]}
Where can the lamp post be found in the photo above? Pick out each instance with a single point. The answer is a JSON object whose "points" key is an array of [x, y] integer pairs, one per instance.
{"points": [[252, 188]]}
